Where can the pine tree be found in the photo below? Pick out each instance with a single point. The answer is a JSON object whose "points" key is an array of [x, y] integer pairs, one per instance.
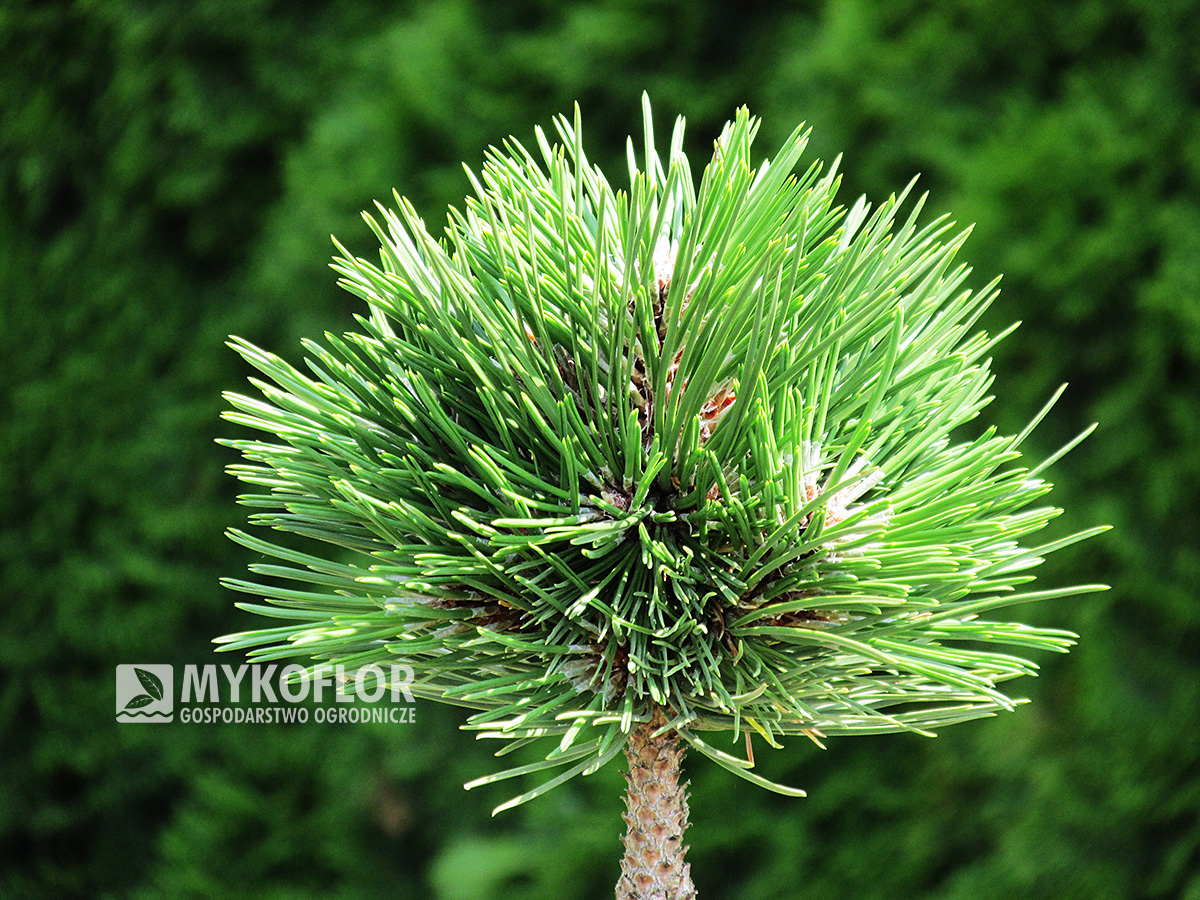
{"points": [[632, 471]]}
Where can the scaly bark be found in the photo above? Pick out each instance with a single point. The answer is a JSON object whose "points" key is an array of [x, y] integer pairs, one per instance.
{"points": [[654, 867]]}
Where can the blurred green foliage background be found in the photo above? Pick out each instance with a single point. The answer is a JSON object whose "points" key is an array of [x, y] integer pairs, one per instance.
{"points": [[170, 173]]}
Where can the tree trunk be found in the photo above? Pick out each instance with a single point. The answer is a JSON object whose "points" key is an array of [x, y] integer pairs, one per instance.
{"points": [[654, 867]]}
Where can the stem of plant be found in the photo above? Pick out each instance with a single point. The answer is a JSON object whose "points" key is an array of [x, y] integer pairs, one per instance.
{"points": [[654, 867]]}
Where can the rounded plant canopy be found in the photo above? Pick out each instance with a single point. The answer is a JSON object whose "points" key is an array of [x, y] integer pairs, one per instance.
{"points": [[597, 453]]}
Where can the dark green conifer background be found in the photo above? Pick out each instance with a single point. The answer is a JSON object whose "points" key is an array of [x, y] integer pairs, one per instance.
{"points": [[170, 173]]}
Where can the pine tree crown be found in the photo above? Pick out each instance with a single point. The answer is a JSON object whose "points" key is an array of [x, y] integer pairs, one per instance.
{"points": [[595, 453]]}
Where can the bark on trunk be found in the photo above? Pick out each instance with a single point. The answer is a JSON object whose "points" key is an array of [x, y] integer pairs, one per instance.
{"points": [[654, 867]]}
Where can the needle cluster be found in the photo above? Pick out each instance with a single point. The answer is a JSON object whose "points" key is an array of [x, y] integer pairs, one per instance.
{"points": [[592, 454]]}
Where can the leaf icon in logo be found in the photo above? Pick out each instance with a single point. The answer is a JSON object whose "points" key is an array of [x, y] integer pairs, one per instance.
{"points": [[152, 685], [141, 700]]}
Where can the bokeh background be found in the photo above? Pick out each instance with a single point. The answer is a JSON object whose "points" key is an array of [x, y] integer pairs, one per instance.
{"points": [[171, 172]]}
